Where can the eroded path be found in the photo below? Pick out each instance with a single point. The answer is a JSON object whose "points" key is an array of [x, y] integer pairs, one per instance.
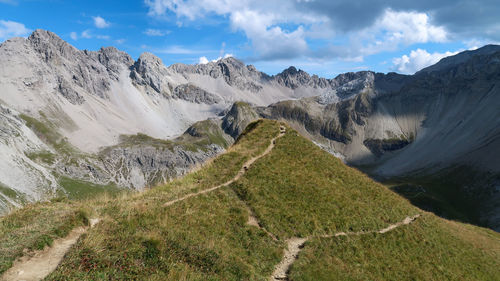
{"points": [[296, 244], [240, 173], [39, 264]]}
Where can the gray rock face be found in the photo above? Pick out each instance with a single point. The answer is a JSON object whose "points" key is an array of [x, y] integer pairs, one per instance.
{"points": [[149, 70], [90, 71], [192, 93], [233, 71], [293, 78], [238, 118], [139, 160], [143, 165]]}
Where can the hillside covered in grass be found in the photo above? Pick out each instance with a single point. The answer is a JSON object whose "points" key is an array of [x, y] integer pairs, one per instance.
{"points": [[240, 230]]}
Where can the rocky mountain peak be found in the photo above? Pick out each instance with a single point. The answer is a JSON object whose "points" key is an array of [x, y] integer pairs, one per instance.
{"points": [[149, 58], [233, 62], [149, 70], [49, 45]]}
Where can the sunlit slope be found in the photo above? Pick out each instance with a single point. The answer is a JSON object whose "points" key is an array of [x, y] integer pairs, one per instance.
{"points": [[240, 230]]}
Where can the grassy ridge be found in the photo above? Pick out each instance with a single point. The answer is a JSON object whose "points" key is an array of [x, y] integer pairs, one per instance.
{"points": [[301, 192], [296, 190], [428, 249]]}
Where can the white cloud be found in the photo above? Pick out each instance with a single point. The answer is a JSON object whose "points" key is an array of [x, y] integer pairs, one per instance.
{"points": [[73, 35], [260, 21], [86, 34], [156, 32], [120, 41], [282, 29], [10, 29], [417, 60], [203, 60], [100, 22], [395, 29]]}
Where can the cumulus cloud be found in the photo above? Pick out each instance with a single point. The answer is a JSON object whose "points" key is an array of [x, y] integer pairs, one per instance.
{"points": [[281, 29], [10, 29], [203, 60], [156, 32], [100, 22], [346, 29], [73, 35], [417, 60]]}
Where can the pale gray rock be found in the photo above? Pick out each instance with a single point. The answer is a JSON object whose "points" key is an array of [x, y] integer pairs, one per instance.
{"points": [[195, 94]]}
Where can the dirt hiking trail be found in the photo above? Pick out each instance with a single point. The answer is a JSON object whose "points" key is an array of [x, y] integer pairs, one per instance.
{"points": [[241, 172], [296, 244], [37, 265]]}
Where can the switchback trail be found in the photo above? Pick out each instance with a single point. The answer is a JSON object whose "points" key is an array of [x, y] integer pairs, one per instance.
{"points": [[296, 244], [241, 172], [39, 264]]}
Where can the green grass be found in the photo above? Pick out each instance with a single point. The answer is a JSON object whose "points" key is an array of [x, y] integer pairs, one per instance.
{"points": [[48, 133], [296, 190], [300, 192], [44, 156], [205, 238], [77, 189], [35, 226], [428, 249], [12, 194], [198, 137]]}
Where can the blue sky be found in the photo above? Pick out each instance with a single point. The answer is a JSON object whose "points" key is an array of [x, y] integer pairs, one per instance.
{"points": [[324, 37]]}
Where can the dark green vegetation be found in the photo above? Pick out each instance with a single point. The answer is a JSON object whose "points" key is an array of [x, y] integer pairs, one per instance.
{"points": [[43, 156], [453, 193], [297, 190], [78, 189]]}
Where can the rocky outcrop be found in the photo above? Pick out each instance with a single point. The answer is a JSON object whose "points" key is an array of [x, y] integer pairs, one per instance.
{"points": [[233, 71], [194, 94], [237, 119], [293, 79], [149, 70]]}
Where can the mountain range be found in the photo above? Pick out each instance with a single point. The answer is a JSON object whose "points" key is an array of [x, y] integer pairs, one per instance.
{"points": [[75, 120]]}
